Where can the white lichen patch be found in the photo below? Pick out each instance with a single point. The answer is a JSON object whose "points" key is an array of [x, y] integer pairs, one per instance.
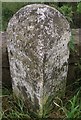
{"points": [[41, 13]]}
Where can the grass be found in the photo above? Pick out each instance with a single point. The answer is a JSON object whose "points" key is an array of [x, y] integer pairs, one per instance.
{"points": [[14, 108], [72, 108]]}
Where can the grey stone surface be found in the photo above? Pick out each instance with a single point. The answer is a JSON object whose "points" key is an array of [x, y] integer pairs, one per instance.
{"points": [[37, 46]]}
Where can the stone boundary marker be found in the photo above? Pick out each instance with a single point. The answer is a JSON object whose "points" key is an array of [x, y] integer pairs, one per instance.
{"points": [[37, 39]]}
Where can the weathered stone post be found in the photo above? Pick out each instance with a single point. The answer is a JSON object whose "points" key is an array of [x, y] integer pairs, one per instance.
{"points": [[37, 41]]}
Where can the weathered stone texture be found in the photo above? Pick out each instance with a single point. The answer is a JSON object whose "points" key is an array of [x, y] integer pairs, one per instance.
{"points": [[37, 45]]}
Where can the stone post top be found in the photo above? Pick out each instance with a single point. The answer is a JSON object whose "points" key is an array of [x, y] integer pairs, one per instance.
{"points": [[45, 11]]}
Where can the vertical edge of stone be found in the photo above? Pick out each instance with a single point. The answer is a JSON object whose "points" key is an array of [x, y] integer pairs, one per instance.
{"points": [[0, 59]]}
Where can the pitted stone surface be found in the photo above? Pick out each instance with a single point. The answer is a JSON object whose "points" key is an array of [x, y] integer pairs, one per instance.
{"points": [[38, 36]]}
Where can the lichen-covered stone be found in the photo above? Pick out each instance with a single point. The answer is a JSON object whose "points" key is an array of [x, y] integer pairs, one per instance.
{"points": [[37, 41]]}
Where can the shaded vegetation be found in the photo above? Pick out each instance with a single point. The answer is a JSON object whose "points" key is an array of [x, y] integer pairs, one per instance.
{"points": [[68, 107]]}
